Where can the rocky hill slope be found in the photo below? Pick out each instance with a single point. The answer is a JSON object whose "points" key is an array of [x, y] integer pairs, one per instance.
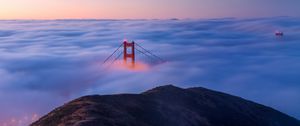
{"points": [[166, 106]]}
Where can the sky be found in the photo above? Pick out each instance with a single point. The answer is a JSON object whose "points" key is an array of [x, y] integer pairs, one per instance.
{"points": [[46, 63], [145, 9]]}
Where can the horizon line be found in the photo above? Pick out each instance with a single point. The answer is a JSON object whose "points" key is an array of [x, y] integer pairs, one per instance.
{"points": [[112, 19]]}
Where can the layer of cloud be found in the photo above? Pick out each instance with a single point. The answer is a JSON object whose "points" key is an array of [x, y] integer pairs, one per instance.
{"points": [[43, 64]]}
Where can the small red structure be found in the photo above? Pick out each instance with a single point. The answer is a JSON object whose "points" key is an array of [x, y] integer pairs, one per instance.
{"points": [[129, 54], [279, 34]]}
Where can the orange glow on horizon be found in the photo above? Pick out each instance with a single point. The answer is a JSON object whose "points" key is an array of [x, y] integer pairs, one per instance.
{"points": [[91, 9], [142, 9], [42, 9]]}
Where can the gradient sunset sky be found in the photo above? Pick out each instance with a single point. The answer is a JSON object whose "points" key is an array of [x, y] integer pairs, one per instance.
{"points": [[145, 9]]}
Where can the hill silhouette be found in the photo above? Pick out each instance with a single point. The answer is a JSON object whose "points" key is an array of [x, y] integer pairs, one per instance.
{"points": [[166, 106]]}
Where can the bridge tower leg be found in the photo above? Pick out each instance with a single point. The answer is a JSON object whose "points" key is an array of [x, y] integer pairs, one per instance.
{"points": [[127, 54]]}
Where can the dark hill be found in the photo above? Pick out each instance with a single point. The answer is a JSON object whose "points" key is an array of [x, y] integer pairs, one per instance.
{"points": [[166, 106]]}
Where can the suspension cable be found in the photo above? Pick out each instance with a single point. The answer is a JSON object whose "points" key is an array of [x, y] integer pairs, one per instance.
{"points": [[112, 54], [145, 54], [150, 53], [116, 59]]}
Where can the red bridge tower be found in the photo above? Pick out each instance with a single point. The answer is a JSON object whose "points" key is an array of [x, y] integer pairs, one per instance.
{"points": [[129, 52]]}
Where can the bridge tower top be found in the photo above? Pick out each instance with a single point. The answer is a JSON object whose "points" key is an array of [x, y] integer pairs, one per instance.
{"points": [[129, 53]]}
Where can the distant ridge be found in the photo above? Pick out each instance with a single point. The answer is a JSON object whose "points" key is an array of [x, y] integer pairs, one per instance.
{"points": [[166, 106]]}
